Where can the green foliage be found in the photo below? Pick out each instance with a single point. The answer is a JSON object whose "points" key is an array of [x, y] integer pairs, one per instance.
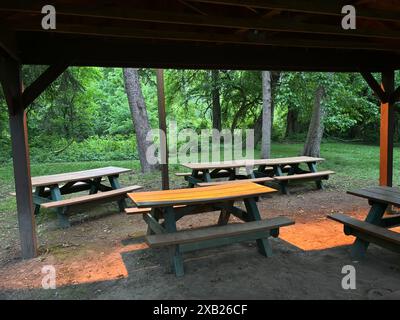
{"points": [[116, 147], [87, 109], [351, 110]]}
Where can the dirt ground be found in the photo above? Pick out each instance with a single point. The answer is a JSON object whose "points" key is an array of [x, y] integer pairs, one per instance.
{"points": [[107, 258]]}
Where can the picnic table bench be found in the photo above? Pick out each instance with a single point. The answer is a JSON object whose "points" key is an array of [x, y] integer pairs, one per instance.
{"points": [[49, 190], [280, 170], [172, 205], [375, 227]]}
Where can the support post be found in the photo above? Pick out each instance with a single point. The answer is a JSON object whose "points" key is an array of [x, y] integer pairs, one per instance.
{"points": [[387, 132], [11, 80], [163, 129]]}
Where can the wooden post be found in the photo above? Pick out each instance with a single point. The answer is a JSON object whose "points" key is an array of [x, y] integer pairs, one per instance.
{"points": [[387, 132], [10, 76], [163, 129]]}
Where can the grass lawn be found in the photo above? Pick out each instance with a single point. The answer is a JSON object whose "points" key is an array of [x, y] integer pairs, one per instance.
{"points": [[355, 166]]}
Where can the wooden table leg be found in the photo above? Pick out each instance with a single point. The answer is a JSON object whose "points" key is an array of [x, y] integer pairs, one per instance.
{"points": [[63, 220], [263, 244], [282, 184], [206, 176], [155, 215], [374, 216], [115, 185], [250, 173], [176, 256], [95, 184], [191, 179], [38, 193], [313, 168], [225, 214]]}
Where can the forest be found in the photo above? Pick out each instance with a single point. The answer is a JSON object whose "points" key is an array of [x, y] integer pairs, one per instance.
{"points": [[89, 114]]}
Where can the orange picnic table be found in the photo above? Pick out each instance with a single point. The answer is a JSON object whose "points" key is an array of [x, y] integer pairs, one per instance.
{"points": [[172, 205]]}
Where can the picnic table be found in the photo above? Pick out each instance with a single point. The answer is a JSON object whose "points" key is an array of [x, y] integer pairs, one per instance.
{"points": [[375, 227], [280, 170], [49, 190], [172, 205]]}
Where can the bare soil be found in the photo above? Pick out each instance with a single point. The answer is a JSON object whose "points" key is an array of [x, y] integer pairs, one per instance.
{"points": [[106, 258]]}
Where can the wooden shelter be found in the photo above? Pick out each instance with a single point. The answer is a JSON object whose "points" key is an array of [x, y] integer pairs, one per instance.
{"points": [[301, 35]]}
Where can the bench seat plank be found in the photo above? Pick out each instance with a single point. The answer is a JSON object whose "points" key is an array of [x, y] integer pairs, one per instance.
{"points": [[255, 162], [89, 198], [183, 174], [190, 236], [299, 176], [135, 210], [367, 228], [217, 183]]}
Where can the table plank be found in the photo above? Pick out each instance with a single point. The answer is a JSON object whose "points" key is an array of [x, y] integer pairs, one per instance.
{"points": [[189, 196], [76, 176], [380, 194], [251, 162]]}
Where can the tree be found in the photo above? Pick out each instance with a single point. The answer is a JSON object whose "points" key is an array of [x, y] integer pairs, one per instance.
{"points": [[275, 76], [316, 128], [266, 115], [216, 103], [140, 118]]}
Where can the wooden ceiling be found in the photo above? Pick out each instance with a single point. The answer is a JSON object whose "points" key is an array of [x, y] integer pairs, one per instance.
{"points": [[225, 34]]}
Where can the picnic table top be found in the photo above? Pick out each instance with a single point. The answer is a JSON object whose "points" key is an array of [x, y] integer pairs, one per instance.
{"points": [[251, 162], [204, 195], [381, 194], [76, 176]]}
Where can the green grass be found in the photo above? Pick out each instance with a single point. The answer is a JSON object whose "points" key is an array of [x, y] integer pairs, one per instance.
{"points": [[355, 165]]}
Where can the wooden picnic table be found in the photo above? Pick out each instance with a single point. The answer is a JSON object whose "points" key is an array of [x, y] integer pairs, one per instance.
{"points": [[172, 205], [281, 169], [374, 229], [49, 189]]}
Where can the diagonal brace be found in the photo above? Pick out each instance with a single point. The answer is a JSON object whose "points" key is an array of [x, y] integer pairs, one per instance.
{"points": [[375, 86], [42, 82]]}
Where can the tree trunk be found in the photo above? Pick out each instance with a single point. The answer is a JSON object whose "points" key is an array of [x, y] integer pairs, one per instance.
{"points": [[258, 122], [266, 115], [139, 115], [316, 128], [291, 122], [216, 103]]}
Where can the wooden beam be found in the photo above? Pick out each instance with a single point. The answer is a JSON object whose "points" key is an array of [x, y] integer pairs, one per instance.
{"points": [[42, 82], [245, 37], [49, 49], [163, 129], [8, 42], [11, 80], [395, 96], [278, 24], [387, 132], [374, 85], [330, 8]]}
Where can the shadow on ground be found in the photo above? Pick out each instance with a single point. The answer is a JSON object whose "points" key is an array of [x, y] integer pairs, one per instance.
{"points": [[239, 272]]}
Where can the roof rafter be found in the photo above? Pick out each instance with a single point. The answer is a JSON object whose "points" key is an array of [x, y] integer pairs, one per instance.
{"points": [[273, 24], [245, 37], [307, 6]]}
